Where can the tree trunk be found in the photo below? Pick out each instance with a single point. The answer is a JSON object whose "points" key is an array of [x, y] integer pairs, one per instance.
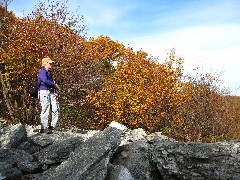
{"points": [[5, 97]]}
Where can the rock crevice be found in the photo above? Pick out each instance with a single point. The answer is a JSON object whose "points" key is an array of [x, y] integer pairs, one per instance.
{"points": [[116, 153]]}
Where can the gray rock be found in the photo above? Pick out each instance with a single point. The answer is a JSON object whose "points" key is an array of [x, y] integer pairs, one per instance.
{"points": [[9, 171], [15, 158], [43, 140], [157, 136], [133, 135], [30, 147], [99, 155], [12, 136], [179, 160], [136, 158], [117, 125], [118, 172], [58, 151], [90, 159]]}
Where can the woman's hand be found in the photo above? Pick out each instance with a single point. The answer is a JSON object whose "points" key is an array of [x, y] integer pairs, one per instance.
{"points": [[57, 87]]}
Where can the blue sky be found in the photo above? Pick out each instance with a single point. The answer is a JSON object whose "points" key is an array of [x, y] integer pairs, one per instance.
{"points": [[206, 33]]}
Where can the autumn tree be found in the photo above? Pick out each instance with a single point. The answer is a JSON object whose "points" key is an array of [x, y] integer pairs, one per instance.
{"points": [[208, 114], [140, 93], [102, 80], [49, 30], [104, 53], [5, 20], [80, 64]]}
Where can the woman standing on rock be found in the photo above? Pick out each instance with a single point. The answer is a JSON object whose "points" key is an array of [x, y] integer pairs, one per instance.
{"points": [[48, 97]]}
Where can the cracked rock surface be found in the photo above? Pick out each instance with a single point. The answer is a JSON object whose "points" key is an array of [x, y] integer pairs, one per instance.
{"points": [[116, 153]]}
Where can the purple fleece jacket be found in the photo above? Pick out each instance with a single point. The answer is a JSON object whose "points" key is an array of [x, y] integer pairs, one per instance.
{"points": [[45, 79]]}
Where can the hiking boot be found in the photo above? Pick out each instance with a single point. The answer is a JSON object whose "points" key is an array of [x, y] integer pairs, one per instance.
{"points": [[46, 131], [53, 128]]}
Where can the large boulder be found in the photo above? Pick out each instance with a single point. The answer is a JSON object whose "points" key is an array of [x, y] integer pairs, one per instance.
{"points": [[90, 159], [115, 153], [12, 136], [9, 171], [179, 160], [15, 162], [135, 157], [133, 135], [58, 151]]}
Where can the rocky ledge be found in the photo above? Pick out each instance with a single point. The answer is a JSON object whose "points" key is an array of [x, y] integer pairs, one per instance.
{"points": [[116, 153]]}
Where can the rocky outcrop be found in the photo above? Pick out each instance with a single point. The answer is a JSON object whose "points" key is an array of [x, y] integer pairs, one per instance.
{"points": [[178, 160], [12, 136], [115, 153]]}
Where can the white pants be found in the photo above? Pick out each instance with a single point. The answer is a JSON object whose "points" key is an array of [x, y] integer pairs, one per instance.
{"points": [[48, 100]]}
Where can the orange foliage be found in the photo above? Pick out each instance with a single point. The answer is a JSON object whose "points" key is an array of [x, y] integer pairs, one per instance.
{"points": [[157, 97], [46, 31], [138, 92], [141, 93]]}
